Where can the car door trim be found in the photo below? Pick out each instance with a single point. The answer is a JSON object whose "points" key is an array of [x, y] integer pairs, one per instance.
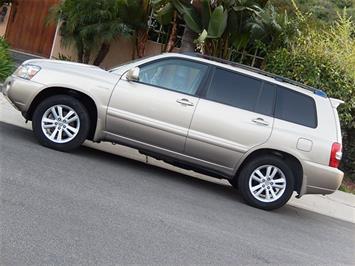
{"points": [[219, 142], [142, 120]]}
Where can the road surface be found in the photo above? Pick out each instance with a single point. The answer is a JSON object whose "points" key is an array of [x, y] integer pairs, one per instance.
{"points": [[94, 208]]}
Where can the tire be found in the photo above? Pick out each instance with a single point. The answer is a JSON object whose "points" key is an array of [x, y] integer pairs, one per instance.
{"points": [[72, 126], [254, 177]]}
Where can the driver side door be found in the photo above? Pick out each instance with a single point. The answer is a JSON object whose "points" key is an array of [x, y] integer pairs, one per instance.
{"points": [[156, 110]]}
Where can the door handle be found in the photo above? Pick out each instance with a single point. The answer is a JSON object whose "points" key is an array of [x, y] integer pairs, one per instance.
{"points": [[260, 121], [185, 101]]}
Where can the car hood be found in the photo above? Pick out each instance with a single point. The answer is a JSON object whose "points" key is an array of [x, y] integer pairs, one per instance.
{"points": [[64, 65], [72, 69]]}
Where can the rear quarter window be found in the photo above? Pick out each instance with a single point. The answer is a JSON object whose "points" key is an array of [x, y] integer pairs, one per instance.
{"points": [[295, 107]]}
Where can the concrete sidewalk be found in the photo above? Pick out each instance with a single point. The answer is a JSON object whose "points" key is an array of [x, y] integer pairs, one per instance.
{"points": [[339, 205]]}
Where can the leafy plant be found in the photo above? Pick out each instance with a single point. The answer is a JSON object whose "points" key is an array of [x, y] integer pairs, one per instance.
{"points": [[218, 25], [225, 26], [64, 57], [6, 64]]}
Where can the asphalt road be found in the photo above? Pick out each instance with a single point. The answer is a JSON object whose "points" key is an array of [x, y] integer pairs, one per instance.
{"points": [[94, 208]]}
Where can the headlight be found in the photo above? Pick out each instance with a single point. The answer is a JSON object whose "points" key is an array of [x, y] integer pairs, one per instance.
{"points": [[27, 71]]}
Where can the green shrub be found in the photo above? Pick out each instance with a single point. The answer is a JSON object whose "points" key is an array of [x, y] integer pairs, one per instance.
{"points": [[325, 60], [6, 64], [343, 3]]}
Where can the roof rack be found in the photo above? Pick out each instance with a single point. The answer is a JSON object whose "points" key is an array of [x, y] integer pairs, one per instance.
{"points": [[258, 71]]}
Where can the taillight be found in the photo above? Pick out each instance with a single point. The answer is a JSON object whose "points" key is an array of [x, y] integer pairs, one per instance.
{"points": [[335, 155]]}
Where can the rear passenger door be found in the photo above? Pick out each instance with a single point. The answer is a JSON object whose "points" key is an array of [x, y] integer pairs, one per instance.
{"points": [[234, 114]]}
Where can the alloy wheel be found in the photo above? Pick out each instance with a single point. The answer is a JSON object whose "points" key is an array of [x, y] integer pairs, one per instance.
{"points": [[60, 123], [267, 183]]}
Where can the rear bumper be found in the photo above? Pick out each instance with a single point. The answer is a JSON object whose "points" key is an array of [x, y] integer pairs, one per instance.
{"points": [[320, 179]]}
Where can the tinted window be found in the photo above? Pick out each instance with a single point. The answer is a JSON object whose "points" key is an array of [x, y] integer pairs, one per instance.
{"points": [[296, 108], [266, 100], [174, 74], [234, 89]]}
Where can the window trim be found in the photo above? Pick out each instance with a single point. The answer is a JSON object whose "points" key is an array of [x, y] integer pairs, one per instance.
{"points": [[278, 88], [274, 98], [201, 85]]}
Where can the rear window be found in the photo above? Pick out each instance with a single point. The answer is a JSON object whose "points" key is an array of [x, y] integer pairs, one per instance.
{"points": [[234, 89], [296, 108]]}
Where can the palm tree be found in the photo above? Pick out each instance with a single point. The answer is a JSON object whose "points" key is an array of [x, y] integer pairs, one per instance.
{"points": [[166, 11], [135, 14], [90, 26]]}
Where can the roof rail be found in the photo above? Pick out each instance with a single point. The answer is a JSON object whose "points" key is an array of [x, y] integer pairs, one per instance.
{"points": [[258, 71]]}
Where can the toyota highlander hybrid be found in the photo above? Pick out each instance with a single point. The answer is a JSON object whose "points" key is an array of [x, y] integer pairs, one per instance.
{"points": [[269, 136]]}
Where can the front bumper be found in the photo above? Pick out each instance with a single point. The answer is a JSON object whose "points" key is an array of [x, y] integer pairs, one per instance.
{"points": [[320, 179], [20, 92]]}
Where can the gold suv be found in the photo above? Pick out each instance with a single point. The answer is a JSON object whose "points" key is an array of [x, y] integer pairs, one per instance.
{"points": [[269, 136]]}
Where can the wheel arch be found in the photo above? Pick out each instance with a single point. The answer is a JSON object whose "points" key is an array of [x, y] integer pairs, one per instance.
{"points": [[84, 98], [291, 160]]}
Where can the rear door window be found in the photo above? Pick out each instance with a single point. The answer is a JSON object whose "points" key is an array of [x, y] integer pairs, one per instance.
{"points": [[234, 89], [295, 107]]}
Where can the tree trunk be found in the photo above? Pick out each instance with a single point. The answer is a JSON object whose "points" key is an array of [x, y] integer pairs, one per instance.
{"points": [[263, 3], [134, 45], [105, 48], [187, 42], [80, 52], [173, 35], [86, 57], [142, 38]]}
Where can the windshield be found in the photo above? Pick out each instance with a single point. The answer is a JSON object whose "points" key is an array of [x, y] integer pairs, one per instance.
{"points": [[127, 63]]}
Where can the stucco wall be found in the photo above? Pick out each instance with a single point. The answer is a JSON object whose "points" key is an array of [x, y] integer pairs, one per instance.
{"points": [[120, 51], [4, 24]]}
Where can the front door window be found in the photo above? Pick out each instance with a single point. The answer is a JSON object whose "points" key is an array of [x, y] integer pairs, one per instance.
{"points": [[174, 74]]}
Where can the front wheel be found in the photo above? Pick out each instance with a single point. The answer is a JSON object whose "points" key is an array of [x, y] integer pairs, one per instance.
{"points": [[61, 122], [266, 182]]}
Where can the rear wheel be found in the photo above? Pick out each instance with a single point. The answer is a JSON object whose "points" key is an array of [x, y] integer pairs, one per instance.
{"points": [[266, 182], [61, 122]]}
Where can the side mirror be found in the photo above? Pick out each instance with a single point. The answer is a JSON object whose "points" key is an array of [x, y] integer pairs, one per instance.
{"points": [[133, 74]]}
